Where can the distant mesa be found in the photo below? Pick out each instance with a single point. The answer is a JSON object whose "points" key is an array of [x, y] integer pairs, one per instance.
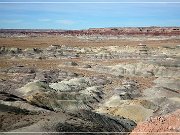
{"points": [[155, 31]]}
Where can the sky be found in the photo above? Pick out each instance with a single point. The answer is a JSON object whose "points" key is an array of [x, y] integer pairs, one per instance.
{"points": [[18, 14]]}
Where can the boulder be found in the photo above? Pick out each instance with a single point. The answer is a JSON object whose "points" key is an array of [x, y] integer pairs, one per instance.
{"points": [[71, 63], [87, 66]]}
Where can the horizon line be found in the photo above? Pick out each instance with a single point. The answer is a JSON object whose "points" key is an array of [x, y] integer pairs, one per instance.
{"points": [[104, 27], [89, 2], [89, 28]]}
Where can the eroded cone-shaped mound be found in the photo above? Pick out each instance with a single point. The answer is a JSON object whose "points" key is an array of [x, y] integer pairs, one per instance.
{"points": [[168, 124]]}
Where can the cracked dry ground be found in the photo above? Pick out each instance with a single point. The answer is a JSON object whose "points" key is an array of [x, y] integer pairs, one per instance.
{"points": [[63, 84]]}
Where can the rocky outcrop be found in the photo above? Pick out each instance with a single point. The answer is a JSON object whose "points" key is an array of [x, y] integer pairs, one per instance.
{"points": [[155, 31], [125, 102], [128, 101], [75, 94], [82, 121], [168, 124], [140, 69]]}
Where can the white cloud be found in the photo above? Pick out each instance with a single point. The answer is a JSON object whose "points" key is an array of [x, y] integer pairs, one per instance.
{"points": [[65, 22], [44, 20], [10, 21], [175, 21]]}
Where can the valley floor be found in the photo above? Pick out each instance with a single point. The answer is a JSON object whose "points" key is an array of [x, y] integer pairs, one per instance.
{"points": [[83, 84]]}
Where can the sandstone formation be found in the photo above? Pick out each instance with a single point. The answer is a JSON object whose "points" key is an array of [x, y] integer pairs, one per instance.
{"points": [[90, 81]]}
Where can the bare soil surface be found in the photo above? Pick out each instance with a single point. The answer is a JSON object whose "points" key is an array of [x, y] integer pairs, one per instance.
{"points": [[63, 84]]}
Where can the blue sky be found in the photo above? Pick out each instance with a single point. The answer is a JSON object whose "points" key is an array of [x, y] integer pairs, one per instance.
{"points": [[88, 15]]}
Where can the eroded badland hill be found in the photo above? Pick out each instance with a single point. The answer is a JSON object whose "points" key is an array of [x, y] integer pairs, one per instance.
{"points": [[97, 80]]}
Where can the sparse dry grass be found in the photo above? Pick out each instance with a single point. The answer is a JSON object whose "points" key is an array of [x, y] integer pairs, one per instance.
{"points": [[42, 42]]}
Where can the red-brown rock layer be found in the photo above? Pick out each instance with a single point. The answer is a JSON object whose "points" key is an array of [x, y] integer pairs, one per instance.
{"points": [[154, 31], [168, 124]]}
